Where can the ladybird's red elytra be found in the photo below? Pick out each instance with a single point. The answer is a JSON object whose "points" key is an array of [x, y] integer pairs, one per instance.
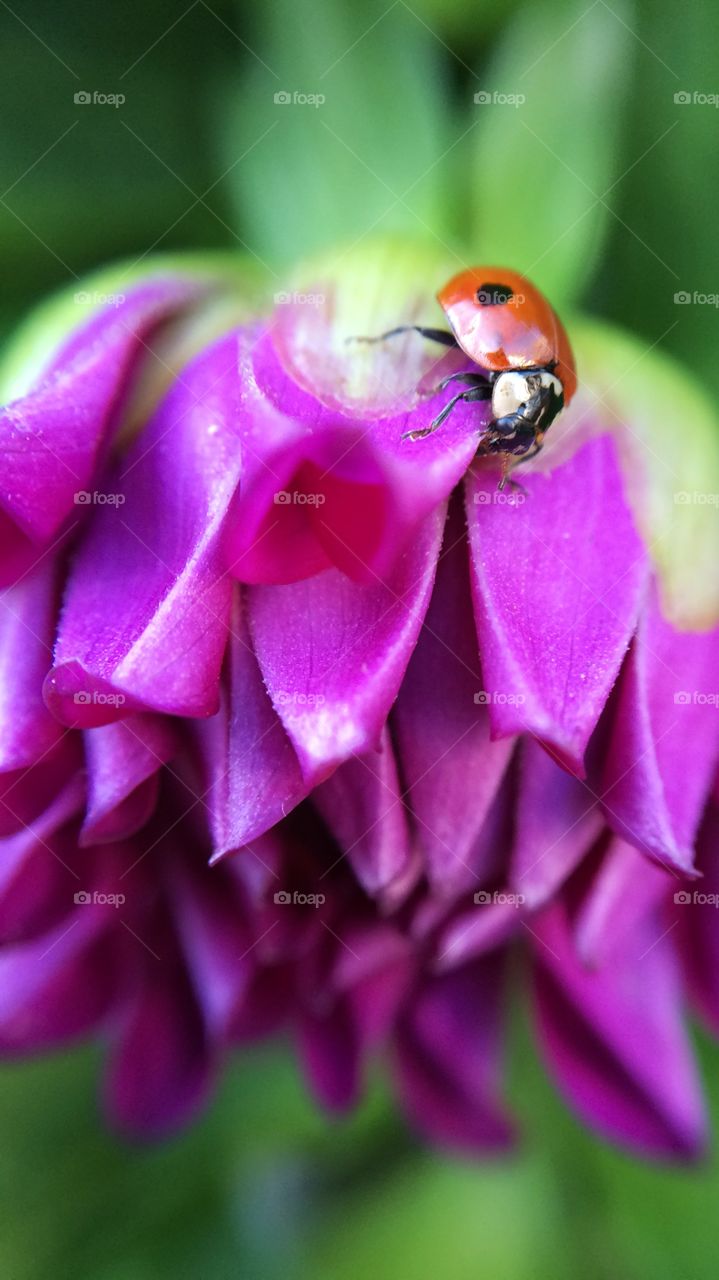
{"points": [[522, 356], [502, 322]]}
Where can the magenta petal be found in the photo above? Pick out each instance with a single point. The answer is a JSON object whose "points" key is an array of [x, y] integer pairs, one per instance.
{"points": [[215, 940], [27, 624], [144, 622], [626, 889], [557, 820], [666, 700], [160, 1069], [55, 986], [123, 760], [558, 580], [333, 653], [362, 805], [697, 916], [448, 1059], [252, 775], [320, 488], [51, 441], [615, 1039], [450, 767]]}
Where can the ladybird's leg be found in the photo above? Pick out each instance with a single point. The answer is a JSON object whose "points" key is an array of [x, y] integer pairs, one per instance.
{"points": [[434, 335], [473, 379], [510, 463], [475, 393]]}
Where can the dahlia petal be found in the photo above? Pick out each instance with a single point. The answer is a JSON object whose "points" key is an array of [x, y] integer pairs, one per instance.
{"points": [[666, 699], [253, 775], [35, 864], [55, 986], [145, 618], [215, 941], [329, 1050], [52, 440], [557, 820], [160, 1067], [123, 760], [362, 805], [333, 653], [320, 489], [615, 1040], [448, 1062], [449, 765], [557, 587], [27, 617], [473, 933], [626, 889], [696, 914]]}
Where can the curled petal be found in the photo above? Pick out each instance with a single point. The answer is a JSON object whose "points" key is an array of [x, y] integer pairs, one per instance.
{"points": [[558, 582], [666, 699], [615, 1038], [53, 439], [557, 820], [320, 489], [333, 653], [448, 1059], [450, 767], [253, 777], [362, 805], [123, 760], [144, 624]]}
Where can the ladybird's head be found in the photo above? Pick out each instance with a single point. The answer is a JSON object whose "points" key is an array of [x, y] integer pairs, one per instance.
{"points": [[525, 404]]}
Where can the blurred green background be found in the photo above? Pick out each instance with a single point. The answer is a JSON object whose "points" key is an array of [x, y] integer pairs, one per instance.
{"points": [[577, 165]]}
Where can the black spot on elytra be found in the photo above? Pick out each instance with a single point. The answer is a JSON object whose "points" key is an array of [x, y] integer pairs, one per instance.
{"points": [[493, 295]]}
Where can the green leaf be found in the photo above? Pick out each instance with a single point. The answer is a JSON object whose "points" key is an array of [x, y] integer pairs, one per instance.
{"points": [[540, 168], [364, 157]]}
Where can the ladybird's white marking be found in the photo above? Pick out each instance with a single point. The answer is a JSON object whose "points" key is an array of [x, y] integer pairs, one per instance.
{"points": [[512, 390]]}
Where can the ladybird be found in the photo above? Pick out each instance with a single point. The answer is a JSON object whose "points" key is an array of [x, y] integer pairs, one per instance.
{"points": [[525, 365]]}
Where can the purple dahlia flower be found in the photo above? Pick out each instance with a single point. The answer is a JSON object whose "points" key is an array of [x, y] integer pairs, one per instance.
{"points": [[309, 730]]}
